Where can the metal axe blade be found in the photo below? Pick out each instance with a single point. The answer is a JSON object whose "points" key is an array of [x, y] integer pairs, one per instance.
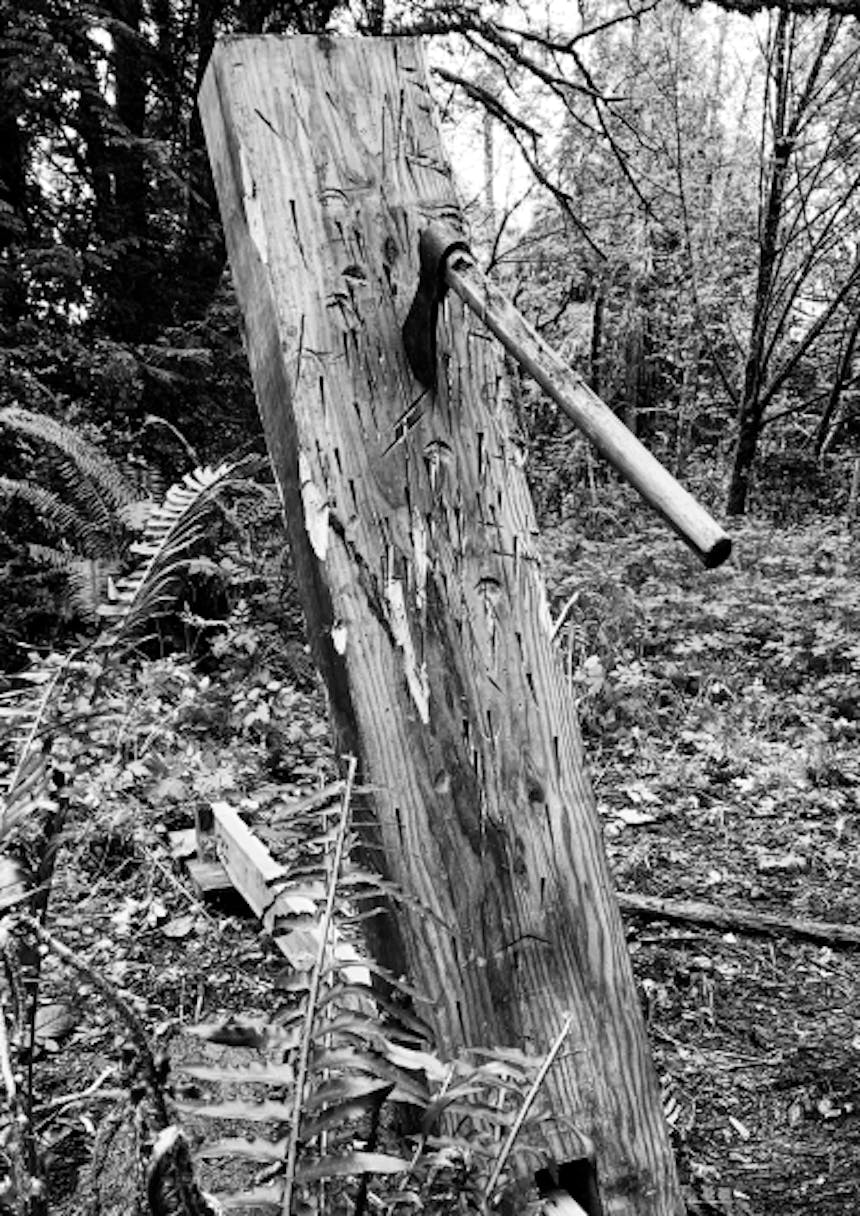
{"points": [[435, 246]]}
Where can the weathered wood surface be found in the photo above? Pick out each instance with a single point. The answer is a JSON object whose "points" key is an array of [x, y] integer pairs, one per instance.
{"points": [[416, 550], [252, 869]]}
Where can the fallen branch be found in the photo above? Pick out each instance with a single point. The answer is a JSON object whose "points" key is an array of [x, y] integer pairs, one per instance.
{"points": [[768, 923], [82, 1095]]}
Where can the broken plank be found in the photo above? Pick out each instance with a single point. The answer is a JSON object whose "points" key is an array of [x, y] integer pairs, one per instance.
{"points": [[208, 876], [252, 869]]}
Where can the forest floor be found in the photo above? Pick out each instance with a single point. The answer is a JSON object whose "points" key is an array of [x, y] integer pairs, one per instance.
{"points": [[721, 712]]}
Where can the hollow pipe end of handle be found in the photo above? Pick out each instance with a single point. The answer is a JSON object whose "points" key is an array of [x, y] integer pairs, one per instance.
{"points": [[716, 553]]}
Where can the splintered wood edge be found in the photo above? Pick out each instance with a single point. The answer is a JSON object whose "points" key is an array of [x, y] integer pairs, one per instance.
{"points": [[208, 875], [251, 867], [244, 863]]}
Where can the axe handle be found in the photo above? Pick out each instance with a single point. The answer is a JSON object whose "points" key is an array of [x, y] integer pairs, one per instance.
{"points": [[609, 435]]}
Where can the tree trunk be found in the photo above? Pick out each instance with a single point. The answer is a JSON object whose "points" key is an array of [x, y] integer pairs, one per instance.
{"points": [[785, 127], [746, 447], [755, 370], [595, 352], [416, 547], [130, 86], [828, 425], [14, 212]]}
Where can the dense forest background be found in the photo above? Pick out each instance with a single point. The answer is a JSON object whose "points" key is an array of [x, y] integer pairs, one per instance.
{"points": [[669, 190]]}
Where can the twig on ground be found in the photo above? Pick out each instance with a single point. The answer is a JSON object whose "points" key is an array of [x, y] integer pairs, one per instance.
{"points": [[5, 1061], [82, 1094], [528, 1102], [768, 923], [192, 897], [136, 1027]]}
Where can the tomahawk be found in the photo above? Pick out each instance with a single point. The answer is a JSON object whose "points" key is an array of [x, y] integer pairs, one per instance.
{"points": [[446, 262]]}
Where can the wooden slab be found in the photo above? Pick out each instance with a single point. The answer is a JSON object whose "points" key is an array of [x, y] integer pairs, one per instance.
{"points": [[416, 553], [252, 869], [208, 876]]}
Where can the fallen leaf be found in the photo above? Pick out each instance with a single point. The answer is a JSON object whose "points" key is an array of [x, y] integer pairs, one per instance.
{"points": [[53, 1023], [638, 791], [156, 913], [786, 863], [741, 1128], [179, 926], [300, 947], [634, 818], [14, 881], [169, 789]]}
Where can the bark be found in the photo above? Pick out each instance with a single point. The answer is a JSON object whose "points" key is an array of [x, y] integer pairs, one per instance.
{"points": [[374, 17], [90, 123], [203, 242], [130, 85], [13, 184], [595, 354], [749, 8], [638, 380]]}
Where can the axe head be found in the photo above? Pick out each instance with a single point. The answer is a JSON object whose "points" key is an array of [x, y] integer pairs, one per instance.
{"points": [[435, 246]]}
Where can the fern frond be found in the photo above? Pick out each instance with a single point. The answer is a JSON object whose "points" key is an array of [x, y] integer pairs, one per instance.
{"points": [[338, 1050], [172, 530], [113, 490], [522, 1114], [88, 581], [87, 577], [313, 991], [55, 559], [56, 514], [25, 712]]}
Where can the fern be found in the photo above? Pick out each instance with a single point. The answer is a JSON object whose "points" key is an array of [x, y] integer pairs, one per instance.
{"points": [[341, 1050], [86, 577], [100, 483], [56, 514], [92, 516], [26, 712], [33, 709], [173, 530]]}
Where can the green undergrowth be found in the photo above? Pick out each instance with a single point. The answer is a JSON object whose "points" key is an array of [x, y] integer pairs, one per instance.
{"points": [[289, 1067]]}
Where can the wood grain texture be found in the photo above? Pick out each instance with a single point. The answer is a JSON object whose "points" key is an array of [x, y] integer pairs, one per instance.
{"points": [[416, 550]]}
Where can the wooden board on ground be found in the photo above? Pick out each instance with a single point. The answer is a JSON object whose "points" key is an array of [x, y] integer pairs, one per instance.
{"points": [[252, 869], [245, 865], [208, 876]]}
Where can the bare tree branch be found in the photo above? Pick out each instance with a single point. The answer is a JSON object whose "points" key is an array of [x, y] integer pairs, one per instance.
{"points": [[802, 8], [489, 101]]}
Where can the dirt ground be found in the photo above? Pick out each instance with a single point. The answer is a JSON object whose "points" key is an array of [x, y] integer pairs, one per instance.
{"points": [[721, 712]]}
